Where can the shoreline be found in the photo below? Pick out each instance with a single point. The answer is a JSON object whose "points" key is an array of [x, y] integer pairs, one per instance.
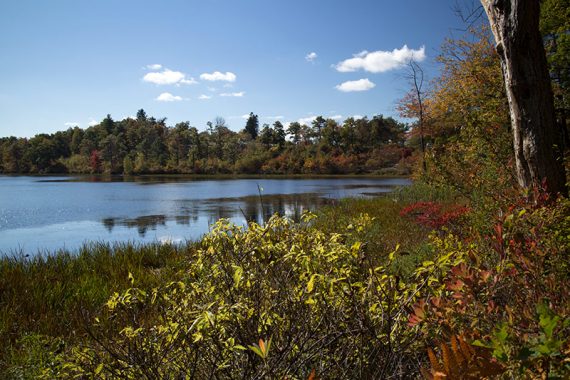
{"points": [[208, 176]]}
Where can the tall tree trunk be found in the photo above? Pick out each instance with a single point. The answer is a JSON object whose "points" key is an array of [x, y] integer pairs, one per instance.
{"points": [[536, 137]]}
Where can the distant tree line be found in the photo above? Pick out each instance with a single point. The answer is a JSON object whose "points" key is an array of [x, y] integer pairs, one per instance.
{"points": [[144, 145]]}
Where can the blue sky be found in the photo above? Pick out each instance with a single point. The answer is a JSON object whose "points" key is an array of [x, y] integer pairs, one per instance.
{"points": [[65, 62]]}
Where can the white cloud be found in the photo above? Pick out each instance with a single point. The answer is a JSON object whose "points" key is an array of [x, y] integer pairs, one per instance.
{"points": [[306, 120], [72, 124], [155, 66], [204, 97], [234, 94], [219, 76], [189, 81], [311, 57], [168, 97], [356, 117], [381, 61], [168, 77], [92, 122], [245, 116], [309, 119], [355, 85]]}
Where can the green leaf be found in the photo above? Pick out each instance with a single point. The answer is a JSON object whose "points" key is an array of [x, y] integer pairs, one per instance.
{"points": [[478, 343], [502, 334], [393, 253], [547, 320], [257, 351], [356, 247], [268, 346]]}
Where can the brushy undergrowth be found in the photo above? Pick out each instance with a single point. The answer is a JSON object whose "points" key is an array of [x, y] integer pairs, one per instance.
{"points": [[508, 291], [392, 287], [273, 301]]}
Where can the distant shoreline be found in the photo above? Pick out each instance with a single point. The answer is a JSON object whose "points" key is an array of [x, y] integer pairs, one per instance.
{"points": [[112, 177]]}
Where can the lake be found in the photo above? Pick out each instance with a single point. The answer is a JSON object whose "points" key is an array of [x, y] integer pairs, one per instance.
{"points": [[45, 214]]}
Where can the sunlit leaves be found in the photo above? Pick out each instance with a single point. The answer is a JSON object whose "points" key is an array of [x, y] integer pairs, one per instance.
{"points": [[300, 286]]}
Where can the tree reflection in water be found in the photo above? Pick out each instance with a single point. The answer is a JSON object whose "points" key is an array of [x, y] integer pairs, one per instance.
{"points": [[245, 209]]}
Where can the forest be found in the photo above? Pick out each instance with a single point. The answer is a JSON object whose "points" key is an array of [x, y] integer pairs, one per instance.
{"points": [[463, 275], [146, 145]]}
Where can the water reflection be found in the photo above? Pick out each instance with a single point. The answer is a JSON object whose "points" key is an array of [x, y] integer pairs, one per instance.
{"points": [[109, 223], [183, 178], [245, 209], [292, 206], [148, 222], [48, 213]]}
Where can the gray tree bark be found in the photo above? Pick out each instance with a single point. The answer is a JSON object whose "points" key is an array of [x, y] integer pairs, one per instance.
{"points": [[536, 138]]}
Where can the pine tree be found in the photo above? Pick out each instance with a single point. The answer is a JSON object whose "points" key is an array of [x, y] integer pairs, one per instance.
{"points": [[252, 125]]}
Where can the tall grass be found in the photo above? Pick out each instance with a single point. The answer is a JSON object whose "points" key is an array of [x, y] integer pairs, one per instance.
{"points": [[50, 295], [389, 229]]}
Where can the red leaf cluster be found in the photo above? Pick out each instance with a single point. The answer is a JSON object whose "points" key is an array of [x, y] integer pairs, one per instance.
{"points": [[434, 215]]}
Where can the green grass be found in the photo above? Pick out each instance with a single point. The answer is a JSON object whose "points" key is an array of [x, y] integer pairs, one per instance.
{"points": [[51, 295], [385, 232], [389, 230]]}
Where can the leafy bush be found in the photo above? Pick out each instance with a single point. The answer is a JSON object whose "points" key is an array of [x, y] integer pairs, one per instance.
{"points": [[274, 301], [508, 291]]}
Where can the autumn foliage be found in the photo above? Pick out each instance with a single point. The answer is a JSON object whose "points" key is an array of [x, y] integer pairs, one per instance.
{"points": [[484, 292], [508, 290], [434, 215]]}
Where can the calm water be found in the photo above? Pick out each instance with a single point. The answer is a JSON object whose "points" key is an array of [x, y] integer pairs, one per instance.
{"points": [[44, 214]]}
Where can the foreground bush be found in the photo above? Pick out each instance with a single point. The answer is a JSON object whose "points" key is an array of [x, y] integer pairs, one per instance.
{"points": [[507, 291], [277, 301]]}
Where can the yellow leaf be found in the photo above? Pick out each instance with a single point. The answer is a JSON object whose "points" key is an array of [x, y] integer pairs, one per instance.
{"points": [[356, 246], [311, 283]]}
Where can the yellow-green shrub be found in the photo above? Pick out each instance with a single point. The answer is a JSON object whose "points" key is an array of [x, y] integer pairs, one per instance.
{"points": [[323, 303]]}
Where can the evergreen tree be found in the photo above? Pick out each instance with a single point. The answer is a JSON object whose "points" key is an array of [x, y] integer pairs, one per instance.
{"points": [[266, 135], [252, 126], [317, 127], [278, 134], [141, 115], [295, 131]]}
